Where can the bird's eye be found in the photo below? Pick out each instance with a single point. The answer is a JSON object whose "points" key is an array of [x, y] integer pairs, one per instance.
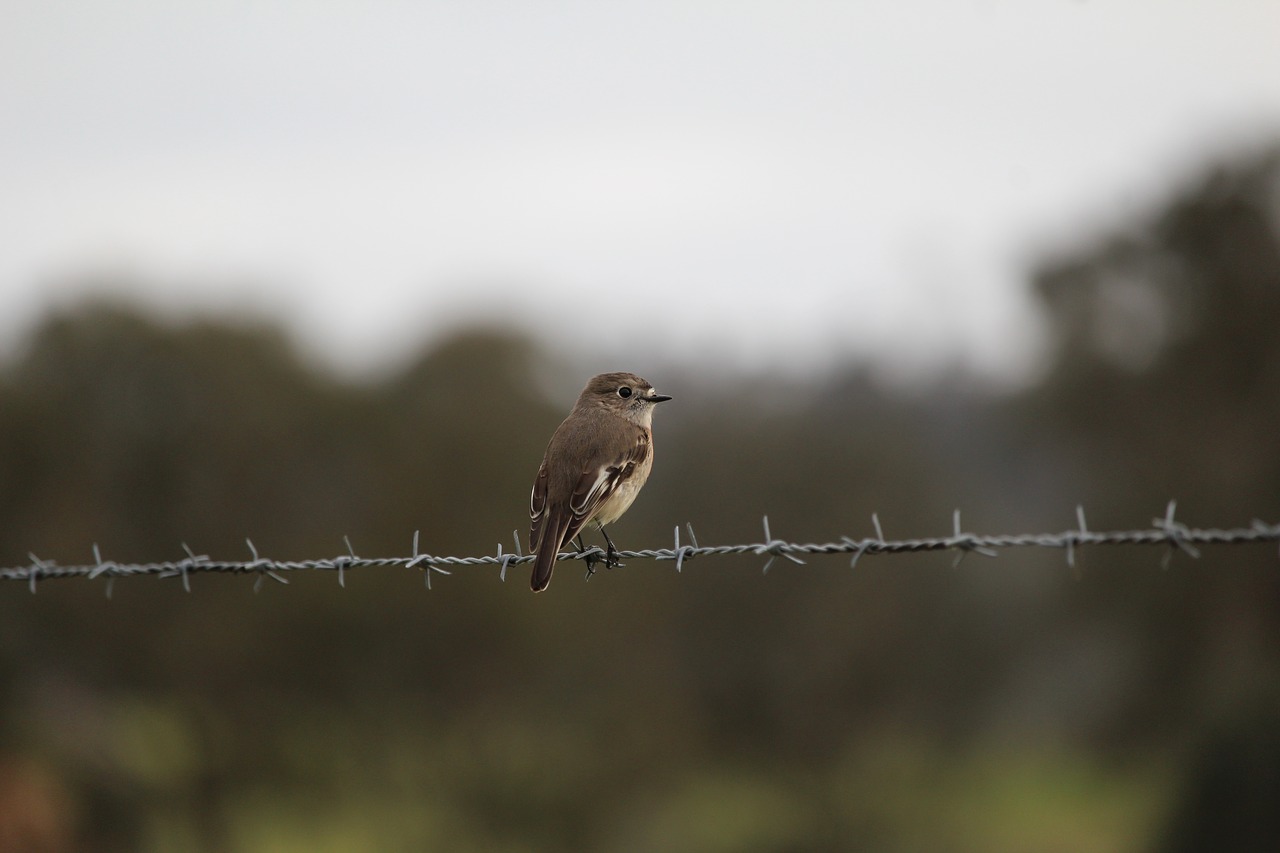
{"points": [[624, 392]]}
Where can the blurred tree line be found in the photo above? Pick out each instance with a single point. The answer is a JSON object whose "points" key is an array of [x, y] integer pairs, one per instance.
{"points": [[1003, 705]]}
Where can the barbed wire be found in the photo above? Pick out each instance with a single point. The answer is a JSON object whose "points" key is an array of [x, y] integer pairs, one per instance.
{"points": [[1166, 531]]}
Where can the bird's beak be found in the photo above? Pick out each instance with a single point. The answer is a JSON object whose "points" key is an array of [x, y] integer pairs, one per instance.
{"points": [[658, 398]]}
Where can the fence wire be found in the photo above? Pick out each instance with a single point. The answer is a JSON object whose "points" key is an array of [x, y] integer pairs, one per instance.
{"points": [[1165, 531]]}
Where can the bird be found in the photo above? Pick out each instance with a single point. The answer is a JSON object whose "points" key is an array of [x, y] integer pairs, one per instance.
{"points": [[596, 462]]}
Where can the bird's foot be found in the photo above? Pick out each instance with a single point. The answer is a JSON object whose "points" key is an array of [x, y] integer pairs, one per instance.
{"points": [[611, 558], [591, 557], [611, 554]]}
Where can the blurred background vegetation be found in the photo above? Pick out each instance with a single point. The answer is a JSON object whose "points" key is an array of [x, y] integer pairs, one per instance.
{"points": [[1003, 706]]}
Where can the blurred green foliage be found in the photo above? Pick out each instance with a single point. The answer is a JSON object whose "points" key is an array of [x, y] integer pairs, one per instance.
{"points": [[1003, 706]]}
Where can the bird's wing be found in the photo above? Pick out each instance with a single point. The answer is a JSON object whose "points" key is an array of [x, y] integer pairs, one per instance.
{"points": [[549, 523], [599, 481], [538, 507]]}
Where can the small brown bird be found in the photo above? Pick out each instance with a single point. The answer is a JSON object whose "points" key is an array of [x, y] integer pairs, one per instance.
{"points": [[595, 464]]}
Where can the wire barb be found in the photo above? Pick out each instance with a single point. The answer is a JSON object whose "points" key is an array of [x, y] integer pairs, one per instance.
{"points": [[186, 565], [505, 560], [682, 553], [427, 562], [33, 572], [589, 556], [1070, 539], [341, 562], [264, 568], [775, 548], [1177, 536], [966, 542], [99, 566]]}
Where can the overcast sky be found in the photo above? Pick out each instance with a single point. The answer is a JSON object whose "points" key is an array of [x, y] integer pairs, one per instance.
{"points": [[766, 183]]}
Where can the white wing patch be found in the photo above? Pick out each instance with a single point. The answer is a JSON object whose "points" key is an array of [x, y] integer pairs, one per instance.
{"points": [[604, 475]]}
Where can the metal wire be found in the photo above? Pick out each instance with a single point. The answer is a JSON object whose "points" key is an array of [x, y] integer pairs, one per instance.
{"points": [[1165, 531]]}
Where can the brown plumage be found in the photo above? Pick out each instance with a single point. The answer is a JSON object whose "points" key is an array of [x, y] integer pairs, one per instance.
{"points": [[596, 462]]}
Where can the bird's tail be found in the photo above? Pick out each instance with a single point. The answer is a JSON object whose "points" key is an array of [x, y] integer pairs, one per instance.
{"points": [[548, 548]]}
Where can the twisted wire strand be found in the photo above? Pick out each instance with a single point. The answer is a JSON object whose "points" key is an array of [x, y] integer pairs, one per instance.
{"points": [[1164, 531]]}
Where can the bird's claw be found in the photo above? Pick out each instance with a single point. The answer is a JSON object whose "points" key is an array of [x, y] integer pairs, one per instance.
{"points": [[593, 556], [611, 558]]}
